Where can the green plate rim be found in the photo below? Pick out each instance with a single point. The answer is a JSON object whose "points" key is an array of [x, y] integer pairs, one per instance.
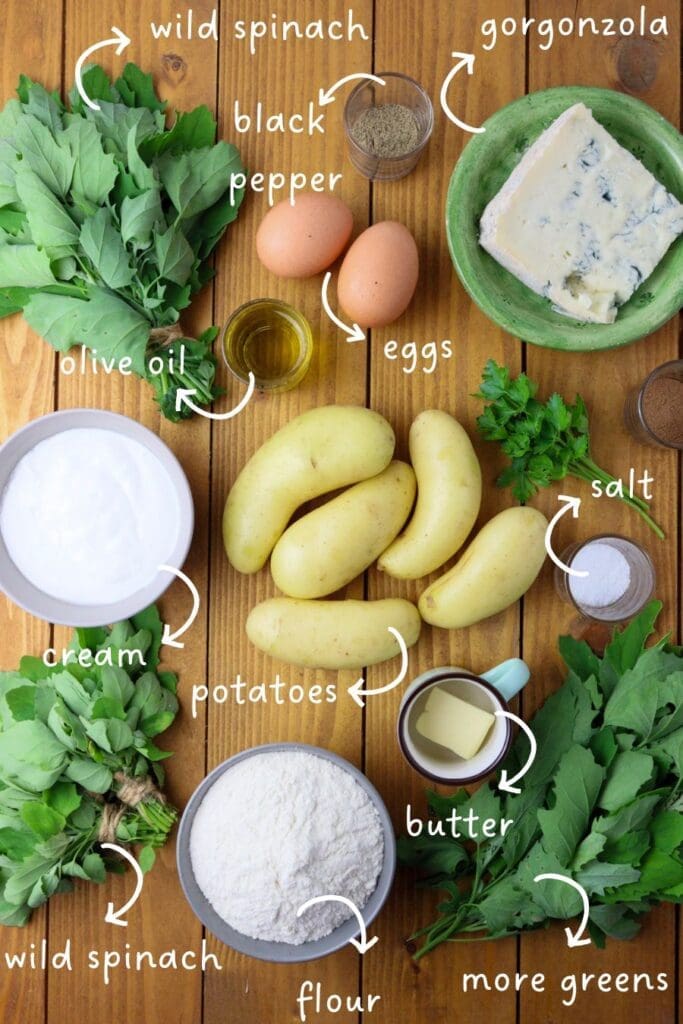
{"points": [[591, 337]]}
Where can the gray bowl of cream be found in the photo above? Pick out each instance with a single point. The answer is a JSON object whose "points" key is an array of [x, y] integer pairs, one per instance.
{"points": [[283, 952], [155, 461]]}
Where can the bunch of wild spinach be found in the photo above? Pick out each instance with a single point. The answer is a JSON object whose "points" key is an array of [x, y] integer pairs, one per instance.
{"points": [[71, 736], [107, 222], [602, 804]]}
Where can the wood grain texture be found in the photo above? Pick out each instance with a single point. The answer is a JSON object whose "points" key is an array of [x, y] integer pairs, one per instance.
{"points": [[162, 919], [604, 379], [417, 40], [26, 392], [441, 309], [284, 78]]}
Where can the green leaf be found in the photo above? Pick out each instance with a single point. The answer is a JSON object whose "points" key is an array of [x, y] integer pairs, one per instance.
{"points": [[50, 224], [141, 217], [146, 859], [24, 266], [195, 180], [598, 876], [102, 244], [29, 752], [616, 921], [157, 723], [94, 170], [15, 844], [630, 818], [96, 86], [51, 162], [578, 656], [195, 130], [95, 778], [137, 89], [104, 320], [629, 772], [174, 255], [64, 798], [150, 620], [94, 867], [588, 849], [667, 831], [577, 784], [41, 819], [627, 645], [636, 696], [433, 855]]}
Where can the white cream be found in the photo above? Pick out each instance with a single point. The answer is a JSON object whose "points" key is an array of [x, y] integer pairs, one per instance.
{"points": [[87, 516]]}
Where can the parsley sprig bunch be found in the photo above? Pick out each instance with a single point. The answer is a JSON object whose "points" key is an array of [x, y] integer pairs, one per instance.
{"points": [[544, 442]]}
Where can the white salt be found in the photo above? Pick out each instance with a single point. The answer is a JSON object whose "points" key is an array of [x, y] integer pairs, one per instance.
{"points": [[609, 575]]}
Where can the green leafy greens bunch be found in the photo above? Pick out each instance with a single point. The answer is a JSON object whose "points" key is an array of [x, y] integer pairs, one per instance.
{"points": [[602, 804], [78, 762], [107, 223], [544, 442]]}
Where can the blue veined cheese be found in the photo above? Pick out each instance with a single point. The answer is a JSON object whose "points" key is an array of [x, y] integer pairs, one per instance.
{"points": [[580, 220]]}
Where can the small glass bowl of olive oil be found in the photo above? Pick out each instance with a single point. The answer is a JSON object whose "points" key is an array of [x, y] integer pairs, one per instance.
{"points": [[270, 339]]}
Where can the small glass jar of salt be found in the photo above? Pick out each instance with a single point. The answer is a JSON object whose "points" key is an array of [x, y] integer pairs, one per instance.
{"points": [[610, 579]]}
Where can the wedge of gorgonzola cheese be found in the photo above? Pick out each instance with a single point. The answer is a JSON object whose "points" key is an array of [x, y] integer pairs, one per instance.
{"points": [[580, 220]]}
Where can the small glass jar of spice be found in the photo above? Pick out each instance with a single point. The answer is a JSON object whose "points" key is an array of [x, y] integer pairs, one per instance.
{"points": [[387, 126], [654, 412]]}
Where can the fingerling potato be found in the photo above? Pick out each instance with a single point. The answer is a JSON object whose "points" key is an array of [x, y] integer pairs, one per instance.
{"points": [[332, 634], [448, 497], [498, 567], [317, 452], [336, 542]]}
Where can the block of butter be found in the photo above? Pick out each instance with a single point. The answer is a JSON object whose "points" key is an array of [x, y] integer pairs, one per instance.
{"points": [[453, 723]]}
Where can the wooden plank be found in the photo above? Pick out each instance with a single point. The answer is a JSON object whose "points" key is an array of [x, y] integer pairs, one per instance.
{"points": [[185, 73], [604, 379], [420, 47], [26, 392], [285, 77]]}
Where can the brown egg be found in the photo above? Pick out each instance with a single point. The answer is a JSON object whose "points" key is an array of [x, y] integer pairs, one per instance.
{"points": [[379, 274], [304, 239]]}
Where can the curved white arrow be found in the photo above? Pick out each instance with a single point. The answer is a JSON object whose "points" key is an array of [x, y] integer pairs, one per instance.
{"points": [[120, 40], [508, 785], [574, 504], [362, 944], [114, 916], [356, 690], [573, 938], [326, 96], [354, 333], [184, 397], [171, 639], [466, 61]]}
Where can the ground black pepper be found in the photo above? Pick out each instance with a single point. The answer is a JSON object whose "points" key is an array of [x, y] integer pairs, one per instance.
{"points": [[386, 130]]}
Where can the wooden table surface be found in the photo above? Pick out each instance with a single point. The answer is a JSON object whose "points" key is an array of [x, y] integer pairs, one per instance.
{"points": [[43, 38]]}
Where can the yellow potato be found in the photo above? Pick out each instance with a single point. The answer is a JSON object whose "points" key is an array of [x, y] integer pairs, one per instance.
{"points": [[333, 544], [448, 497], [498, 567], [332, 634], [317, 452]]}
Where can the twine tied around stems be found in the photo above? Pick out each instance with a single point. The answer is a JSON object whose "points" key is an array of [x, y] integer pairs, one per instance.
{"points": [[162, 337], [130, 793]]}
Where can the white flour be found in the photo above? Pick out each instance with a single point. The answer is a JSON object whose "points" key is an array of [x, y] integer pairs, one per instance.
{"points": [[278, 829]]}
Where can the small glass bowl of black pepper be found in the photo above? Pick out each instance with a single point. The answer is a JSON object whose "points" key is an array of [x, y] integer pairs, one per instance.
{"points": [[387, 126], [653, 413]]}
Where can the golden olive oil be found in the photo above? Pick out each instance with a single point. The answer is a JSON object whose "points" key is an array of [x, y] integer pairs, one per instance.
{"points": [[270, 339]]}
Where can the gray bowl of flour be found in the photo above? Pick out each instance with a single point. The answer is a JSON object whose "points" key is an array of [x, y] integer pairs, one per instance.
{"points": [[203, 840]]}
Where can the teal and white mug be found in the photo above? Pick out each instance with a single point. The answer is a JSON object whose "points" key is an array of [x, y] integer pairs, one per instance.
{"points": [[490, 691]]}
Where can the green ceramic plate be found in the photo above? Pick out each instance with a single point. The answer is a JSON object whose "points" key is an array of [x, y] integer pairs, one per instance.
{"points": [[486, 164]]}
